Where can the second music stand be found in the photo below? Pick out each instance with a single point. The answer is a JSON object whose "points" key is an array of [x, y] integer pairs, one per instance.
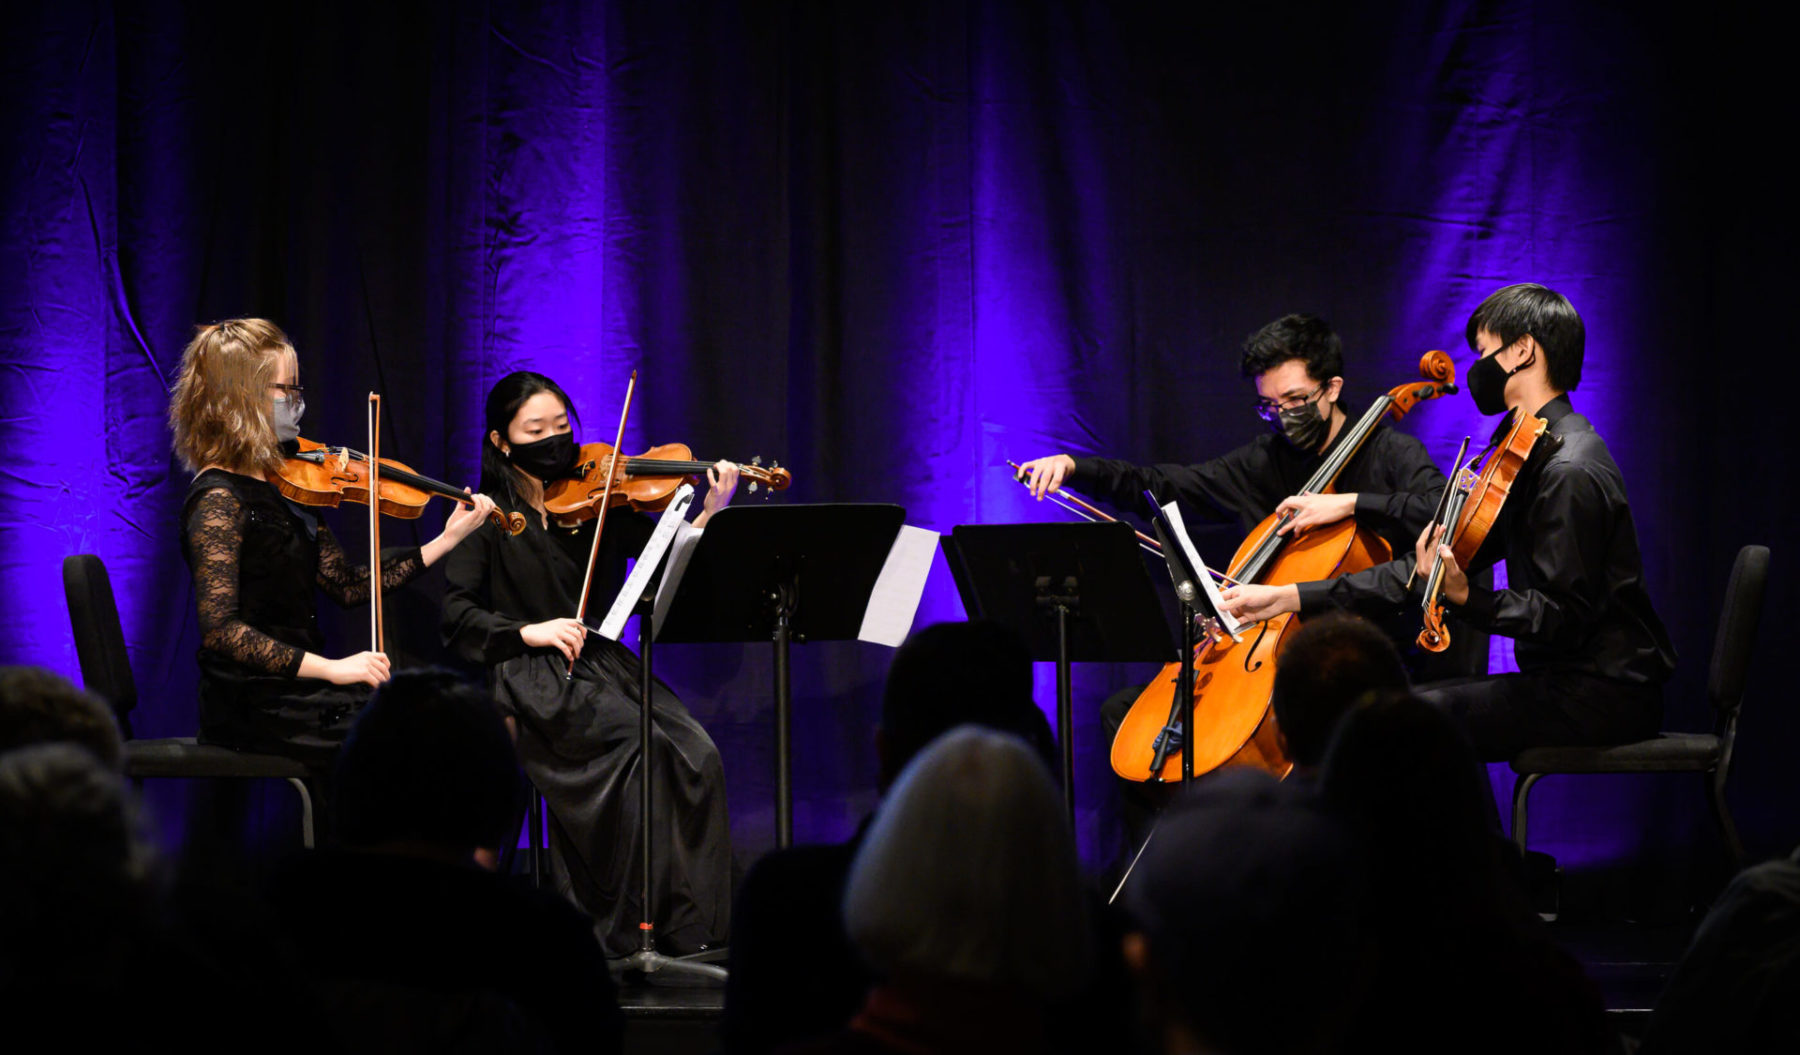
{"points": [[1076, 593]]}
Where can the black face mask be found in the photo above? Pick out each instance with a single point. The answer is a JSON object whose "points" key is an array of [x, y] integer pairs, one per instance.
{"points": [[1486, 381], [1303, 427], [548, 459]]}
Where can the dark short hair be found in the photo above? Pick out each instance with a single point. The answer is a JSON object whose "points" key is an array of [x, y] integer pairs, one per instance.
{"points": [[951, 674], [503, 403], [1403, 771], [77, 874], [1324, 668], [38, 707], [429, 761], [1307, 338], [1546, 315], [1244, 870]]}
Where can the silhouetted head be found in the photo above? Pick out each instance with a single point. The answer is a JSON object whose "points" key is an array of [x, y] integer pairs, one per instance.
{"points": [[78, 877], [38, 707], [428, 765], [950, 674], [1250, 927], [1403, 772], [1324, 668], [969, 872]]}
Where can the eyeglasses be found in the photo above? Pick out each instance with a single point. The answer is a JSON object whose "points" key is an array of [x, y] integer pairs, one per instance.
{"points": [[290, 391], [1270, 410]]}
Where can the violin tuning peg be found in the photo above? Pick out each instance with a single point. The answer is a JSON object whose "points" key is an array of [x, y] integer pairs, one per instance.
{"points": [[756, 460]]}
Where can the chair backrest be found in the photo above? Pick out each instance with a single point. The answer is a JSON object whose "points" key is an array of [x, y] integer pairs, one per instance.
{"points": [[99, 640], [1737, 631]]}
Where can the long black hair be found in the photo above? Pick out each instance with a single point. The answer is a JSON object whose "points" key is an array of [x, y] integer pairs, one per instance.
{"points": [[503, 402]]}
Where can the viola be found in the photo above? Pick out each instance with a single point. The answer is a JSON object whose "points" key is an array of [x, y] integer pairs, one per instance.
{"points": [[1472, 508], [321, 475], [1233, 679], [645, 482]]}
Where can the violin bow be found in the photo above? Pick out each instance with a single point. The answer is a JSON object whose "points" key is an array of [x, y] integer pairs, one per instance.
{"points": [[1443, 506], [587, 582], [1086, 511], [375, 621]]}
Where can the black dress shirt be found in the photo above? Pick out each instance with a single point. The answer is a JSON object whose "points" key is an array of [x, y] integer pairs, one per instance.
{"points": [[1575, 598], [1395, 482]]}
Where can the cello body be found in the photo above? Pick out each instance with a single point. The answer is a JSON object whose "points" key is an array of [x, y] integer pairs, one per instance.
{"points": [[1233, 680]]}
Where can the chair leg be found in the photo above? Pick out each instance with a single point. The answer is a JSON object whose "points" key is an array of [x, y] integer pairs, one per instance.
{"points": [[1521, 795], [1715, 794], [306, 811]]}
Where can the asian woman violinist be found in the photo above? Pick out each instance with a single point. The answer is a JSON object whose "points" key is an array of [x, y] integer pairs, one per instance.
{"points": [[510, 605], [257, 559]]}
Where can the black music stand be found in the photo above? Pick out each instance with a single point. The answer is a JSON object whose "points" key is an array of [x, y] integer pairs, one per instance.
{"points": [[782, 574], [1076, 593], [646, 959]]}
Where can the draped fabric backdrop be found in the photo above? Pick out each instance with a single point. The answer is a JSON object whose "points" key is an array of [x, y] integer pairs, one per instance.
{"points": [[891, 245]]}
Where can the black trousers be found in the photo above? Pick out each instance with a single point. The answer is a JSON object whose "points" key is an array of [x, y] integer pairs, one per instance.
{"points": [[1507, 713]]}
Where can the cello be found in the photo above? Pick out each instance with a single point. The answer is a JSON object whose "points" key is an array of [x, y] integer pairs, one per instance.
{"points": [[1233, 680]]}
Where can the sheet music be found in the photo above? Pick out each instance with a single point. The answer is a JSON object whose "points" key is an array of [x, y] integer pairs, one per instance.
{"points": [[674, 518], [1226, 623], [687, 536], [895, 599]]}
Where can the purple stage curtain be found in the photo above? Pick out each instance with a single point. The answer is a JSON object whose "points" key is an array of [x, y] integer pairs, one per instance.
{"points": [[890, 246]]}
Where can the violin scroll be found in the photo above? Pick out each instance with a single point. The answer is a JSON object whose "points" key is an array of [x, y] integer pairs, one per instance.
{"points": [[1434, 637], [771, 479]]}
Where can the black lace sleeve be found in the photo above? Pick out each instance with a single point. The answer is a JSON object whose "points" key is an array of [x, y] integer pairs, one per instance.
{"points": [[215, 531], [348, 584]]}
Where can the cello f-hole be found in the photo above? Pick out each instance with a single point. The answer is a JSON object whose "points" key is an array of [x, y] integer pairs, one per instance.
{"points": [[1251, 654]]}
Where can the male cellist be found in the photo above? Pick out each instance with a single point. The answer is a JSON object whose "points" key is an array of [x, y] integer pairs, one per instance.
{"points": [[1592, 654], [1297, 365]]}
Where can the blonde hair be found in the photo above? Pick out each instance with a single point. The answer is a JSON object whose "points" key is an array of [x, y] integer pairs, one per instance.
{"points": [[969, 872], [220, 410]]}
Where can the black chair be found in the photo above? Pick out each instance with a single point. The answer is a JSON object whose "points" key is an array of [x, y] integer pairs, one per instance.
{"points": [[1708, 753], [106, 670]]}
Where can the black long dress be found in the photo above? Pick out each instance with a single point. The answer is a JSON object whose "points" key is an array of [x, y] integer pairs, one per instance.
{"points": [[579, 740], [257, 559]]}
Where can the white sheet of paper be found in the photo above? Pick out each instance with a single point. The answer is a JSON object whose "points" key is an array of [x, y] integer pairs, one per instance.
{"points": [[687, 536], [1227, 624], [895, 600], [673, 519]]}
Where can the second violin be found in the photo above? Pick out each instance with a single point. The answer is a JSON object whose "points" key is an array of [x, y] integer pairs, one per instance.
{"points": [[644, 482]]}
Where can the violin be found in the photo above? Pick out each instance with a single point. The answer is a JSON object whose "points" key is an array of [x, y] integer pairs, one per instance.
{"points": [[645, 482], [1472, 507], [320, 475]]}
